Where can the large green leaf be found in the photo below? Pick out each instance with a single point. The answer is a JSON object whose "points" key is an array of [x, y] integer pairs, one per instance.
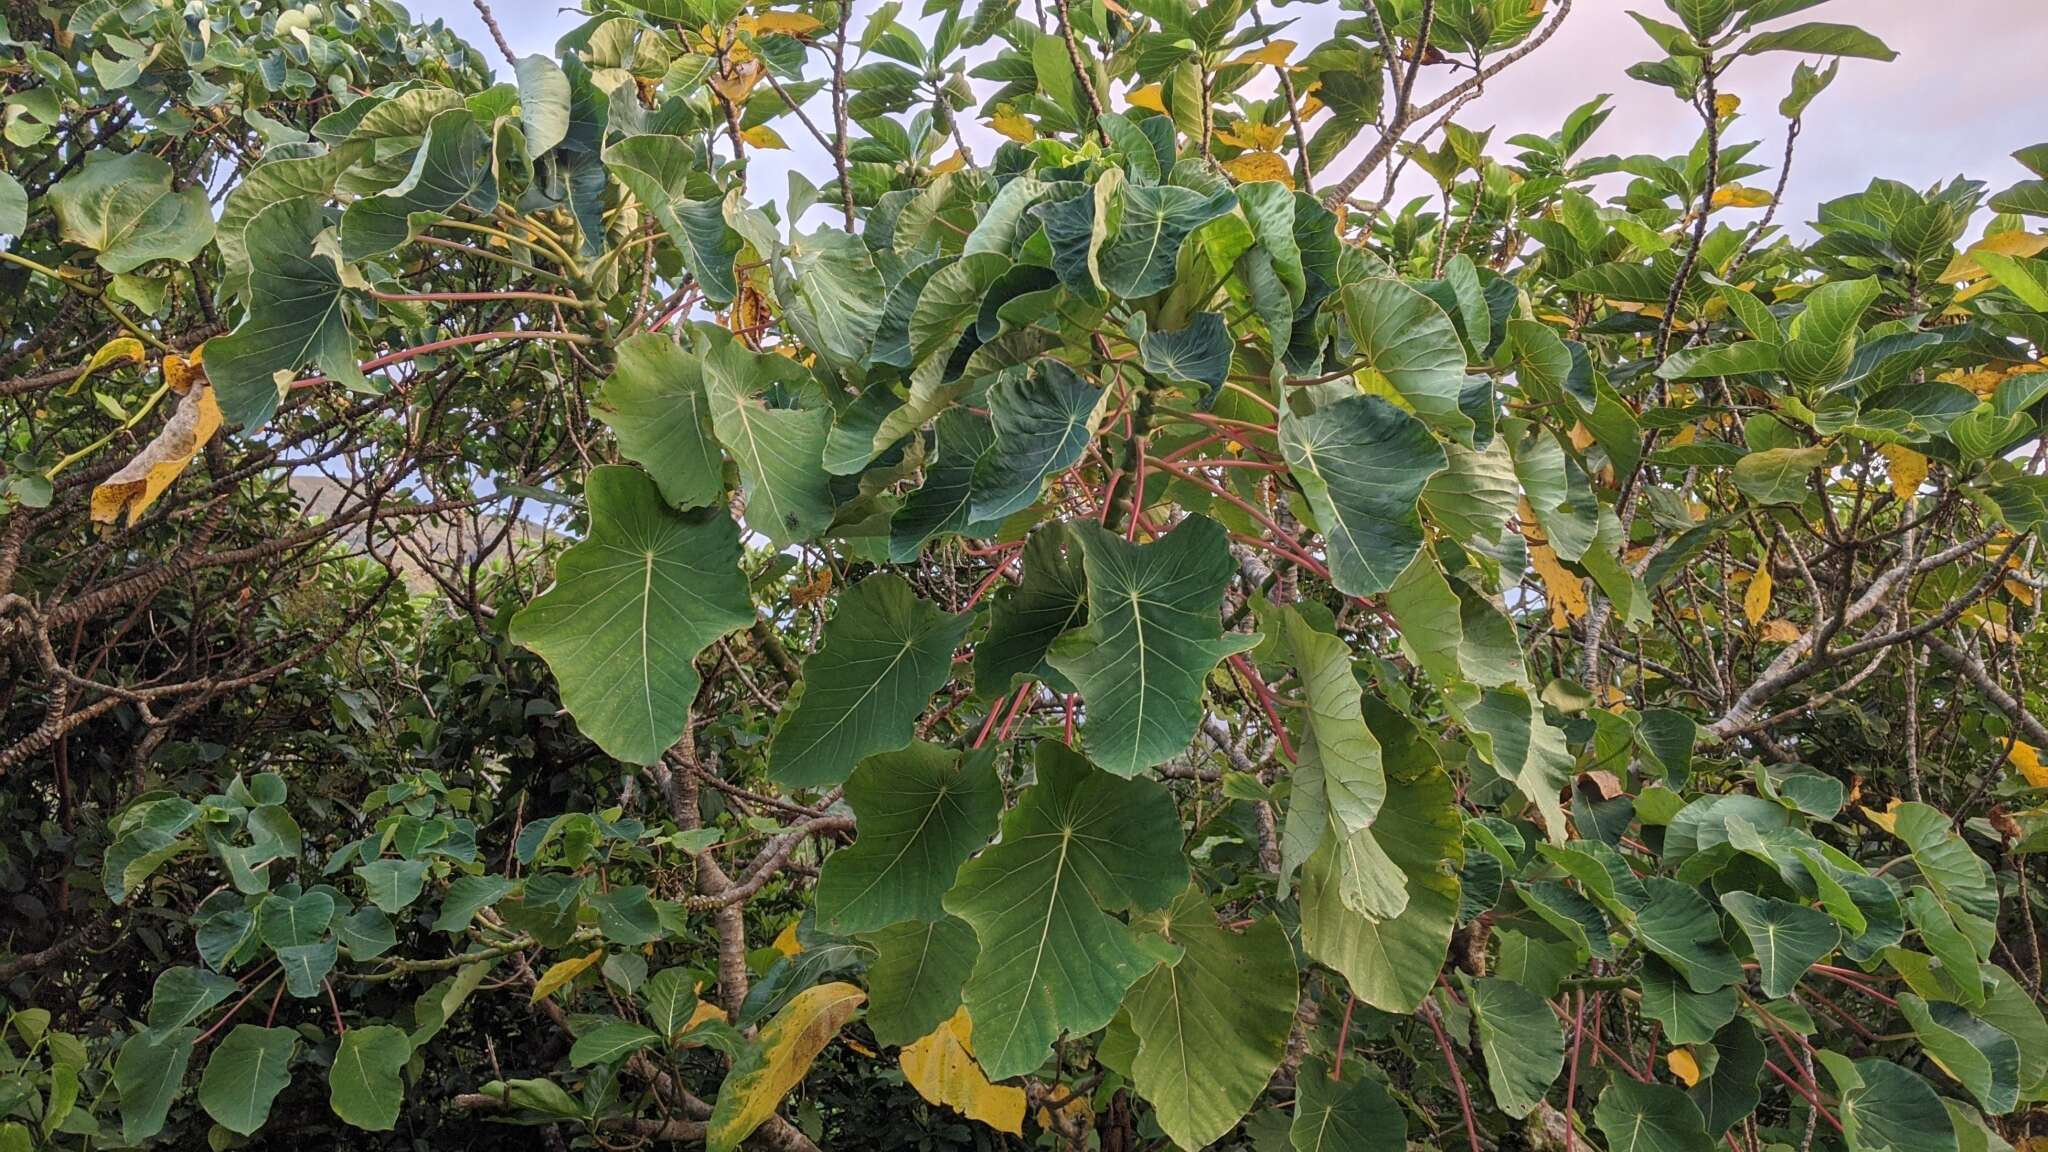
{"points": [[1157, 218], [294, 319], [1974, 1051], [663, 174], [286, 921], [1154, 633], [943, 502], [1079, 845], [1729, 1091], [363, 1086], [1198, 354], [245, 1073], [1392, 964], [1212, 1026], [611, 1042], [1043, 422], [1354, 781], [832, 295], [1362, 463], [1819, 39], [122, 206], [1523, 1044], [1051, 600], [922, 810], [1405, 339], [914, 981], [1788, 938], [1510, 733], [1637, 1117], [655, 402], [1349, 1115], [181, 994], [780, 449], [633, 604], [543, 103], [454, 167], [148, 1072], [1885, 1108], [1678, 924], [884, 652]]}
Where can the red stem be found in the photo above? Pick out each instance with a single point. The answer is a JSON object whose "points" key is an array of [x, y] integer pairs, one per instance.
{"points": [[1443, 1044], [429, 349]]}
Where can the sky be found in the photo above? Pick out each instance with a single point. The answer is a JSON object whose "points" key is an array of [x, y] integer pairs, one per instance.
{"points": [[1964, 93]]}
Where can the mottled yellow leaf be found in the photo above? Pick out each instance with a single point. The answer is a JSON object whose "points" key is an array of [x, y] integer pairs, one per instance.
{"points": [[1566, 593], [179, 372], [1725, 104], [943, 1070], [1147, 97], [1252, 167], [1908, 469], [775, 1063], [1741, 196], [2015, 243], [1252, 135], [1884, 819], [1779, 630], [560, 973], [1683, 1066], [953, 163], [140, 481], [120, 350], [2027, 759], [786, 942], [1012, 124], [762, 136], [1756, 599], [786, 23]]}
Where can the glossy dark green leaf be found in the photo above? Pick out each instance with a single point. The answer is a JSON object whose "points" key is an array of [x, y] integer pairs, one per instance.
{"points": [[1043, 422]]}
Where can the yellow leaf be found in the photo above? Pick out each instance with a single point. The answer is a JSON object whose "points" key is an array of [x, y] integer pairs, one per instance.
{"points": [[179, 372], [1075, 1116], [560, 973], [1252, 136], [2019, 592], [1683, 1066], [1884, 819], [953, 163], [786, 942], [1741, 196], [762, 136], [1253, 167], [1908, 469], [2014, 243], [2027, 759], [775, 1062], [1013, 125], [1756, 599], [121, 350], [736, 83], [1725, 104], [1566, 593], [1147, 97], [785, 23], [943, 1070], [140, 481], [1779, 630], [1274, 53]]}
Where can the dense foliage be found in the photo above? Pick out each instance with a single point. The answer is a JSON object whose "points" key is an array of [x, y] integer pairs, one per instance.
{"points": [[1121, 640]]}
